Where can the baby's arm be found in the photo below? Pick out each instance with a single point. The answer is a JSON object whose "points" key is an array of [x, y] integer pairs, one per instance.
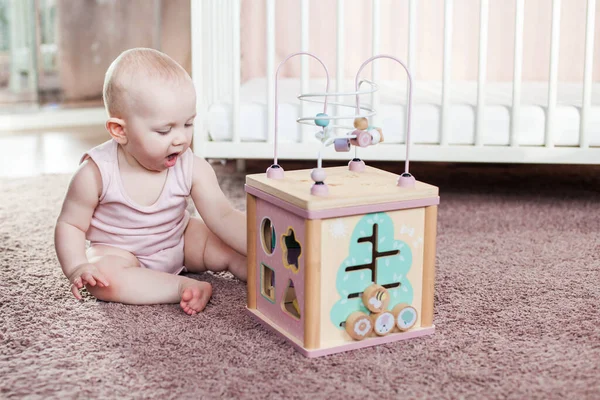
{"points": [[217, 212], [72, 224]]}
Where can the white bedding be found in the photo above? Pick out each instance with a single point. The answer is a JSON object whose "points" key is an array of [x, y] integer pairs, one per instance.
{"points": [[426, 113]]}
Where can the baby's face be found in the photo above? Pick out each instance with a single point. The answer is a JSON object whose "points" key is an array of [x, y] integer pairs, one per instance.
{"points": [[159, 125]]}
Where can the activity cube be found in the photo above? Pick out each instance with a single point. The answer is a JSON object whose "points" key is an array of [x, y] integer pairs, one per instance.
{"points": [[344, 271]]}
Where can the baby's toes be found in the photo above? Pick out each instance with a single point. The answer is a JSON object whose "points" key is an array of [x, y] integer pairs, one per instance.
{"points": [[195, 297], [197, 303], [186, 297]]}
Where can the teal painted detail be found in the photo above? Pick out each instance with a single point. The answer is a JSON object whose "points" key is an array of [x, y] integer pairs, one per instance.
{"points": [[273, 239], [390, 269], [408, 316]]}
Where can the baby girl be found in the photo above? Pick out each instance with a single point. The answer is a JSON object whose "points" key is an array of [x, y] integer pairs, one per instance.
{"points": [[129, 196]]}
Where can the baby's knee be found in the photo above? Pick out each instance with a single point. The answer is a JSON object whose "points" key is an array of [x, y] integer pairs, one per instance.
{"points": [[111, 267], [102, 293]]}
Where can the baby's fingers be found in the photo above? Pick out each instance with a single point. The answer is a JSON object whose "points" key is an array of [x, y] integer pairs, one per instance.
{"points": [[102, 281], [75, 292], [88, 278], [77, 282]]}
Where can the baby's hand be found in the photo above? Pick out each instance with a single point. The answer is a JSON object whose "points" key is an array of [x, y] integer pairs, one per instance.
{"points": [[86, 274]]}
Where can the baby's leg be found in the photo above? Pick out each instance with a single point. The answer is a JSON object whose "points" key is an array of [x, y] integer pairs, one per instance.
{"points": [[131, 284], [204, 250]]}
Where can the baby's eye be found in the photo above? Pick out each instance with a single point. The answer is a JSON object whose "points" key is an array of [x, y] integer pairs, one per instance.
{"points": [[189, 124], [164, 132]]}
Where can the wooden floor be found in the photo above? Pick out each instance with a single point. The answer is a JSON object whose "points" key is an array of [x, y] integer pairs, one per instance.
{"points": [[49, 152], [25, 154]]}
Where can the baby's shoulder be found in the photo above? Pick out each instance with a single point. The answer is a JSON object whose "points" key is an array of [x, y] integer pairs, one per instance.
{"points": [[88, 176], [103, 153]]}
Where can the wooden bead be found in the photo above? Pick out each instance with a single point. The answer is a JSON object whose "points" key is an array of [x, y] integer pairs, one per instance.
{"points": [[363, 138], [376, 298], [361, 123], [405, 316], [342, 144], [381, 139], [318, 175], [383, 323], [322, 122], [376, 135], [358, 325]]}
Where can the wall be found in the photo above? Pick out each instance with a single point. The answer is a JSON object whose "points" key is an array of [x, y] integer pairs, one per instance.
{"points": [[91, 34]]}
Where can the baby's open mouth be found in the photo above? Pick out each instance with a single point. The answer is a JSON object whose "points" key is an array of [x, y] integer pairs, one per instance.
{"points": [[171, 160]]}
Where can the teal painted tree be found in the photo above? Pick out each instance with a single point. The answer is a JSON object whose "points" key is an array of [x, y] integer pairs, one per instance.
{"points": [[374, 257]]}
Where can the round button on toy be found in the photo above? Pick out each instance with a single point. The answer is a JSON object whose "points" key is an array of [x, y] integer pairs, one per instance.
{"points": [[359, 325], [405, 316], [383, 323], [376, 298]]}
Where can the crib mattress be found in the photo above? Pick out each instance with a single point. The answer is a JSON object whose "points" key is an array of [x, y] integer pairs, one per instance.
{"points": [[426, 116]]}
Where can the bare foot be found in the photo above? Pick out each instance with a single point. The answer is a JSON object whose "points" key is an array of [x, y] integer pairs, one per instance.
{"points": [[194, 295]]}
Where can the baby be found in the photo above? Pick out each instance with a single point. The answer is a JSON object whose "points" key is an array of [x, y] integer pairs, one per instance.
{"points": [[129, 196]]}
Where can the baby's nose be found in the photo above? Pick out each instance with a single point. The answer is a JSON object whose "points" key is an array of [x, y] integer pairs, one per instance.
{"points": [[178, 138]]}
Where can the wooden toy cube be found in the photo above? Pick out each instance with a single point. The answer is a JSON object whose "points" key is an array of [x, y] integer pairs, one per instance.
{"points": [[310, 259]]}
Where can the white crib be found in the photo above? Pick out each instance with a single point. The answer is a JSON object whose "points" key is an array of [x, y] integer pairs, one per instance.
{"points": [[476, 120]]}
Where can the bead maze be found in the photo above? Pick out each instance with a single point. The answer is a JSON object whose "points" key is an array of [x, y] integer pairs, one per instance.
{"points": [[341, 258]]}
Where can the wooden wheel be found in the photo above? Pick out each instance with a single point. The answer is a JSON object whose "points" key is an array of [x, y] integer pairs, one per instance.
{"points": [[405, 316], [376, 298], [383, 323], [358, 325]]}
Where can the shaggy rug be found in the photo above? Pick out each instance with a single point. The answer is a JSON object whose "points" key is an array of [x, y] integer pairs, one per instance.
{"points": [[516, 307]]}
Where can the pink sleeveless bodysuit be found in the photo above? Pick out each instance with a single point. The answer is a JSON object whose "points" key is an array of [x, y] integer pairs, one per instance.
{"points": [[154, 234]]}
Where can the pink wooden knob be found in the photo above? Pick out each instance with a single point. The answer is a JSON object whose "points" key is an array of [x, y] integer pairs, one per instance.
{"points": [[356, 165], [275, 172], [406, 180]]}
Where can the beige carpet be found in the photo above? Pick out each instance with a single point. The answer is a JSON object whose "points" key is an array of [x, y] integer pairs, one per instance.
{"points": [[517, 308]]}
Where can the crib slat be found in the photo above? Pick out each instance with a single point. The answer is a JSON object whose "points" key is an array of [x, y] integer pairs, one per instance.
{"points": [[236, 70], [412, 57], [340, 53], [587, 72], [517, 72], [206, 49], [483, 44], [197, 25], [553, 81], [270, 70], [218, 55], [228, 41], [304, 66], [214, 52], [446, 73], [376, 33]]}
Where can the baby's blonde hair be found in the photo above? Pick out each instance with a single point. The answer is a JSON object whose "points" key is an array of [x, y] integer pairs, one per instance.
{"points": [[135, 66]]}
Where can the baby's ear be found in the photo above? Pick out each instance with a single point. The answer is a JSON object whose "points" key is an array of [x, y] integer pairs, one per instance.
{"points": [[116, 128]]}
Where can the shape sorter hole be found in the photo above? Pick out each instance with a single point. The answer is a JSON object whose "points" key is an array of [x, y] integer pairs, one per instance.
{"points": [[290, 303], [267, 282], [291, 250], [268, 236]]}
